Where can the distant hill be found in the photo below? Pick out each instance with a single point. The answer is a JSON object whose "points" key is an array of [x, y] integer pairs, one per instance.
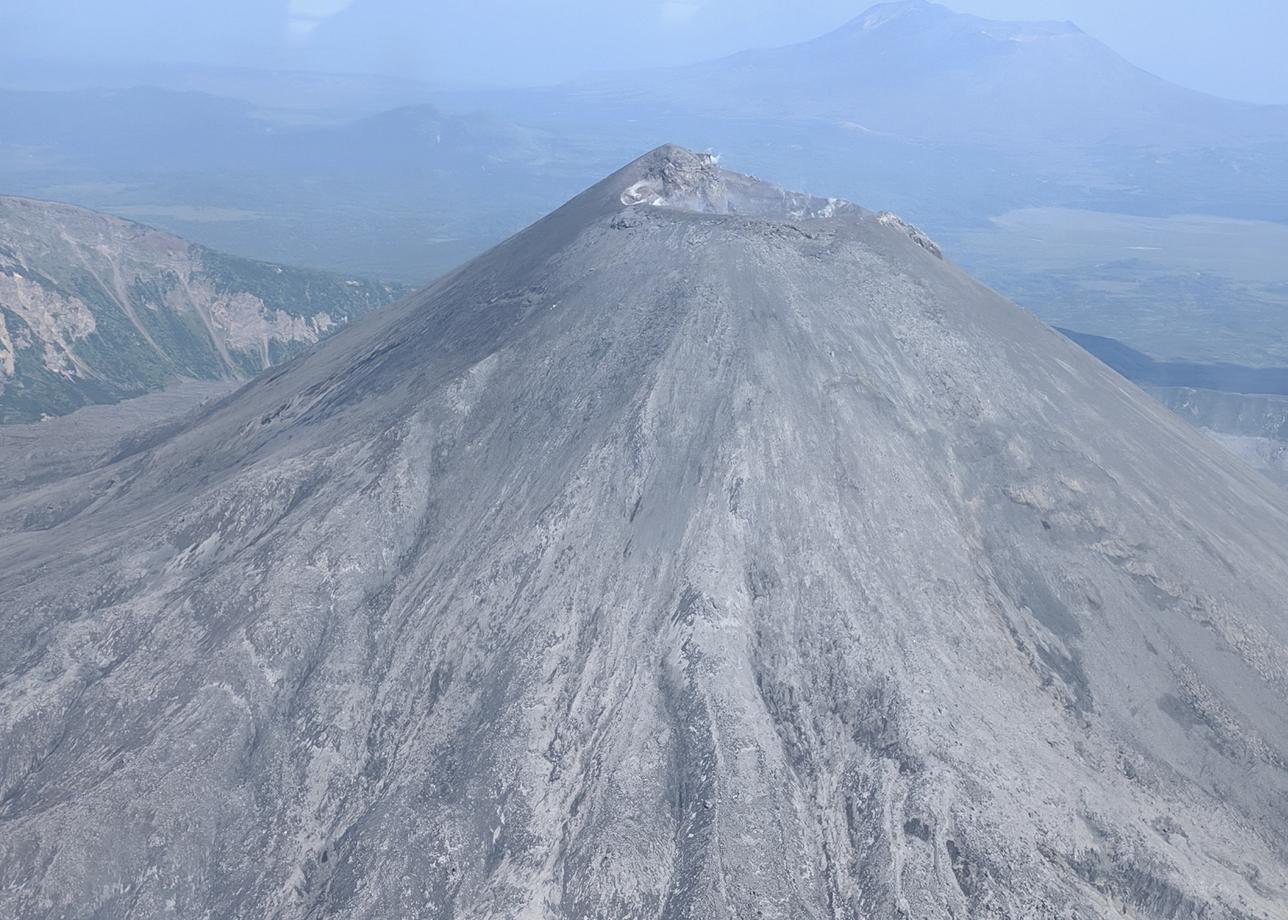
{"points": [[310, 96], [404, 194], [94, 309]]}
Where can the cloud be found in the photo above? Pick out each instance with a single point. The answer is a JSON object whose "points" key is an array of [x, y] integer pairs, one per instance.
{"points": [[306, 15], [677, 13]]}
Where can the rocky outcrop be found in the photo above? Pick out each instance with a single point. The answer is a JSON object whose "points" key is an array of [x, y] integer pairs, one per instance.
{"points": [[914, 233]]}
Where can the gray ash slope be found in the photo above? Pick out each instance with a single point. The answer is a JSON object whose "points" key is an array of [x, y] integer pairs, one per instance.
{"points": [[721, 554]]}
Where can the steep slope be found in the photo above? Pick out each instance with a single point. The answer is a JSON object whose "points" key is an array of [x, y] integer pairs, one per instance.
{"points": [[95, 309], [702, 551], [1243, 408], [66, 445], [919, 71]]}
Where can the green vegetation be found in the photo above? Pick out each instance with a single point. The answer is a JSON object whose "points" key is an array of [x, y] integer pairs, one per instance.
{"points": [[151, 325]]}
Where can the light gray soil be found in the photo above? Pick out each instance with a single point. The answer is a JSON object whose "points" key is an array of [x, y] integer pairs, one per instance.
{"points": [[702, 552], [37, 452]]}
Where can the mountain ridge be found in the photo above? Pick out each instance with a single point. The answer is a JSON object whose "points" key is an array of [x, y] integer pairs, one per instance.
{"points": [[95, 308], [689, 554]]}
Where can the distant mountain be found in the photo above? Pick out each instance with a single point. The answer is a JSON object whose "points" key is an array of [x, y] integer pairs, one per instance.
{"points": [[947, 117], [919, 71], [704, 552], [94, 309]]}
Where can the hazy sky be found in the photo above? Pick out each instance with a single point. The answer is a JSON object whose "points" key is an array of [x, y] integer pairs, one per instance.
{"points": [[1229, 47]]}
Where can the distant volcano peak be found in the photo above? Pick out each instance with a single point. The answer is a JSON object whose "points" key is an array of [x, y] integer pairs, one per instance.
{"points": [[883, 13]]}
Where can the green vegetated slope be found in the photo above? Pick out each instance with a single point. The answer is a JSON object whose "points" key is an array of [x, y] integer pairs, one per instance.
{"points": [[94, 309]]}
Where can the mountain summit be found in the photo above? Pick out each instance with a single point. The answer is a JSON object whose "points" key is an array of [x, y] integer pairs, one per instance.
{"points": [[921, 72], [884, 14], [705, 550]]}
